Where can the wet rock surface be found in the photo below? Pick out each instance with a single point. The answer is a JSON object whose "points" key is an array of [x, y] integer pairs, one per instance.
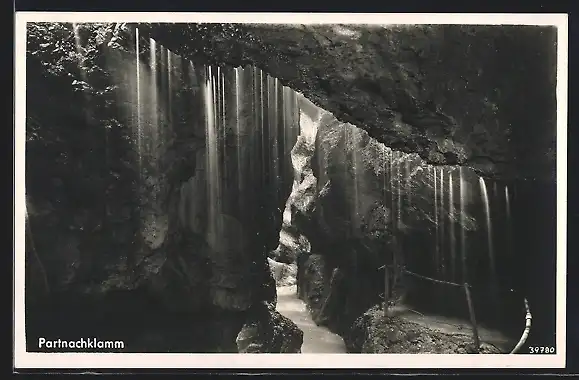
{"points": [[268, 331], [362, 206], [127, 251], [373, 334], [119, 218], [449, 93], [284, 274]]}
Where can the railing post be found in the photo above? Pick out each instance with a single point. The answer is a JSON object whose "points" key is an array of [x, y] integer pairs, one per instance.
{"points": [[472, 317]]}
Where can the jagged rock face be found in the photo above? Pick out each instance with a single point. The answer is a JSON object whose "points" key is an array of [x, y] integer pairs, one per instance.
{"points": [[303, 193], [267, 331], [331, 280], [372, 334], [94, 242], [312, 286], [450, 93], [165, 199], [368, 193], [283, 274], [360, 205]]}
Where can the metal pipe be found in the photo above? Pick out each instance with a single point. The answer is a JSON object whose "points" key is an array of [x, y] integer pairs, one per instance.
{"points": [[525, 335]]}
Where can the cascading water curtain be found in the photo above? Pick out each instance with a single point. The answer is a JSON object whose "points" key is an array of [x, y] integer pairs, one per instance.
{"points": [[452, 227], [238, 155], [245, 163], [470, 241], [154, 74]]}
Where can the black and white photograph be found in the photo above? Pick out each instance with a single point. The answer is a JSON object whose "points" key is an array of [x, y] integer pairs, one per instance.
{"points": [[213, 185]]}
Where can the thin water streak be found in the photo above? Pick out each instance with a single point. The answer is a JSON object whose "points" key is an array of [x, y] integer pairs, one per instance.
{"points": [[170, 85], [441, 222], [238, 74], [213, 177], [452, 242], [152, 152], [437, 231], [139, 122], [354, 156], [463, 252], [487, 210], [399, 184]]}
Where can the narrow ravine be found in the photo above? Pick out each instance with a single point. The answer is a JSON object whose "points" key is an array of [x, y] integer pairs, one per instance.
{"points": [[317, 339], [204, 168]]}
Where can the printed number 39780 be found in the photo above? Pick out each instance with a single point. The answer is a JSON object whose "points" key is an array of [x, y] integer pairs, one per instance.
{"points": [[541, 350]]}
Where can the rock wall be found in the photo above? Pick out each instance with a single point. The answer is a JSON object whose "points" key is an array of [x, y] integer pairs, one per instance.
{"points": [[154, 192], [125, 232], [373, 334], [450, 93], [361, 206]]}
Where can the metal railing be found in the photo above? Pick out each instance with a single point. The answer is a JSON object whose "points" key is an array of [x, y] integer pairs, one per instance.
{"points": [[472, 315]]}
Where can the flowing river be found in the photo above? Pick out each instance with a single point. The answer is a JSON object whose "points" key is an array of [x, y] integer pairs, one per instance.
{"points": [[317, 339]]}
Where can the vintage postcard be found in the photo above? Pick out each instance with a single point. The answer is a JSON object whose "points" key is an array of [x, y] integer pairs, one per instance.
{"points": [[339, 190]]}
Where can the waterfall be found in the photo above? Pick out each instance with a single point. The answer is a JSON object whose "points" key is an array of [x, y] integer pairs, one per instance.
{"points": [[436, 214], [385, 179], [153, 130], [441, 221], [172, 70], [170, 85], [220, 128], [399, 188], [391, 185], [396, 261], [264, 143], [79, 51], [273, 128], [452, 241], [238, 136], [224, 126], [393, 189], [257, 145], [81, 66], [139, 123], [490, 245], [463, 252], [354, 147], [212, 160], [237, 159], [233, 174]]}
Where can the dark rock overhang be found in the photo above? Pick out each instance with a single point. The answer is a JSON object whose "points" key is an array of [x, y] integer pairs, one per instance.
{"points": [[479, 96]]}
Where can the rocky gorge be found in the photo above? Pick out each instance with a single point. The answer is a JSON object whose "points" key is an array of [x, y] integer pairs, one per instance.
{"points": [[176, 172]]}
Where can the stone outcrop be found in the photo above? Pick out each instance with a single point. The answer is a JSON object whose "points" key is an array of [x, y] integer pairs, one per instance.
{"points": [[283, 274], [372, 334], [267, 331], [361, 206], [119, 225], [128, 251], [449, 93]]}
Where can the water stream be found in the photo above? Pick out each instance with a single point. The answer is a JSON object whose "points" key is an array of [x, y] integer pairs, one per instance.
{"points": [[317, 339]]}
